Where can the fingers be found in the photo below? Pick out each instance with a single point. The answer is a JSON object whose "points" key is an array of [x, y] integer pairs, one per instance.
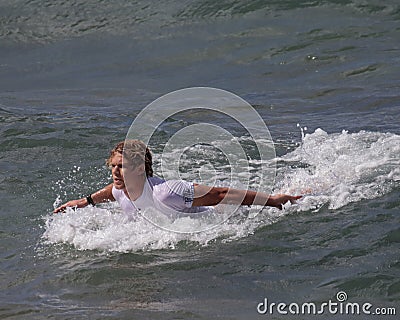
{"points": [[64, 207], [284, 198], [294, 198], [60, 209]]}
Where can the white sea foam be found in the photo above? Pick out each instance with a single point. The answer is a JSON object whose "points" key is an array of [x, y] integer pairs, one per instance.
{"points": [[329, 169], [108, 229], [337, 169]]}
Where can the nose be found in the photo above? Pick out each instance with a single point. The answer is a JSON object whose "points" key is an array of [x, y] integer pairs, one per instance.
{"points": [[115, 170]]}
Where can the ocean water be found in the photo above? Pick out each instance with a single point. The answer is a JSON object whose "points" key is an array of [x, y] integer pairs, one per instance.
{"points": [[323, 75]]}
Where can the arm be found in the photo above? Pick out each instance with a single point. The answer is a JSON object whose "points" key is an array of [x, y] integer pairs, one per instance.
{"points": [[206, 196], [103, 195]]}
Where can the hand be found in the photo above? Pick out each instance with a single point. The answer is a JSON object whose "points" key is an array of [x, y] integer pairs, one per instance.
{"points": [[279, 200], [80, 203]]}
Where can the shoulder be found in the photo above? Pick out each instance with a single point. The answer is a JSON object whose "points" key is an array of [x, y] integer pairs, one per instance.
{"points": [[154, 181], [175, 193], [171, 186], [180, 187]]}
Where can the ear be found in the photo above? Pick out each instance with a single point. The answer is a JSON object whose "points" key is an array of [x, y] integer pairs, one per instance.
{"points": [[140, 169]]}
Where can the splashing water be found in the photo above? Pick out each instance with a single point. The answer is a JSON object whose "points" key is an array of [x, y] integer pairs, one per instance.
{"points": [[328, 169], [337, 169], [108, 229]]}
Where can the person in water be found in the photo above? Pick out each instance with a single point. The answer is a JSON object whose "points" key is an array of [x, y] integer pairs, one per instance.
{"points": [[135, 188]]}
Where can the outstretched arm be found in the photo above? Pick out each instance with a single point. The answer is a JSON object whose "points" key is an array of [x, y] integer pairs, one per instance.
{"points": [[103, 195], [206, 196]]}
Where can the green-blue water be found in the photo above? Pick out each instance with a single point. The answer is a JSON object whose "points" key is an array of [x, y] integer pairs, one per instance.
{"points": [[73, 76]]}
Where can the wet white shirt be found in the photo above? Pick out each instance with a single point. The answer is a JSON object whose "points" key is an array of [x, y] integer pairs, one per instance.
{"points": [[173, 198]]}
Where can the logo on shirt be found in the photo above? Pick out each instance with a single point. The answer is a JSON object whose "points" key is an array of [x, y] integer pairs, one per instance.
{"points": [[188, 196]]}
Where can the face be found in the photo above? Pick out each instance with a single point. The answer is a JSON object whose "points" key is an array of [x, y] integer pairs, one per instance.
{"points": [[117, 172]]}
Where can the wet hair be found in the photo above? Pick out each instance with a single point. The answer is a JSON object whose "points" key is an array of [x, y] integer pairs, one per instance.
{"points": [[136, 152]]}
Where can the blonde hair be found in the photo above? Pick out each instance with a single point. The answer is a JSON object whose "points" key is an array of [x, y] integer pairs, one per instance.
{"points": [[136, 152]]}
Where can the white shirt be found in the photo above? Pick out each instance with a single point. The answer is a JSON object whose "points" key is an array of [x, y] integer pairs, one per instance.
{"points": [[173, 198]]}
